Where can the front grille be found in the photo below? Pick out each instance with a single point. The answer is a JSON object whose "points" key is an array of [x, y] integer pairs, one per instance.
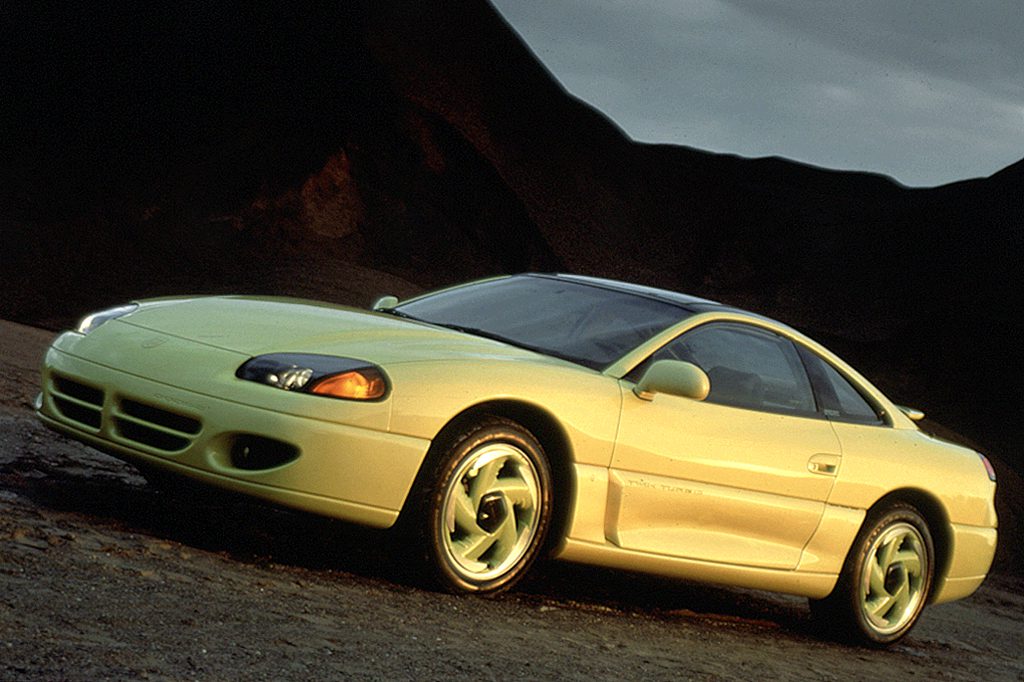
{"points": [[128, 420], [73, 389], [160, 440], [77, 402], [153, 426], [155, 415]]}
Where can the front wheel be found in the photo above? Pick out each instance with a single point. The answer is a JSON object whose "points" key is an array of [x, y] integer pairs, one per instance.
{"points": [[488, 507], [886, 580]]}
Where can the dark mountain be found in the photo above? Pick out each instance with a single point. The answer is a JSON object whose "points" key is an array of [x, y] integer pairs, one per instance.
{"points": [[338, 150]]}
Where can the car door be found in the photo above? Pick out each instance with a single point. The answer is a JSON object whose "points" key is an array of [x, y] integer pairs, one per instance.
{"points": [[739, 478]]}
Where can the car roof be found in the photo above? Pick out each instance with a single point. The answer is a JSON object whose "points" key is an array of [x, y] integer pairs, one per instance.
{"points": [[694, 304]]}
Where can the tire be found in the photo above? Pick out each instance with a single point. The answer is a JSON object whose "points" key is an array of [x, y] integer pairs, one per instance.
{"points": [[885, 582], [486, 508]]}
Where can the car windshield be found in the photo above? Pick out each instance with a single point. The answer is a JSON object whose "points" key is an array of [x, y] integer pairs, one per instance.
{"points": [[581, 322]]}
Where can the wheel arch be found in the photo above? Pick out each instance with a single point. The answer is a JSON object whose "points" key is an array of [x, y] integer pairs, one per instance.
{"points": [[545, 428], [934, 513]]}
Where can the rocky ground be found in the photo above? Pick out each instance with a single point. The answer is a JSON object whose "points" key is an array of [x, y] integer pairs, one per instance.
{"points": [[105, 577]]}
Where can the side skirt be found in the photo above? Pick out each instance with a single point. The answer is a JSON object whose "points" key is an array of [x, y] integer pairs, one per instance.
{"points": [[804, 584]]}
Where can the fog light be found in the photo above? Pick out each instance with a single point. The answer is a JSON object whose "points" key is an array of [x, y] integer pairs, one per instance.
{"points": [[256, 453]]}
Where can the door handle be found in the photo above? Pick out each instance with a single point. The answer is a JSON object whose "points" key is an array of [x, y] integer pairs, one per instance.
{"points": [[824, 464]]}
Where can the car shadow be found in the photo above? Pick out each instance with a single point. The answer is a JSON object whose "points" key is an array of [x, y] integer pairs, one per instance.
{"points": [[602, 589], [252, 532]]}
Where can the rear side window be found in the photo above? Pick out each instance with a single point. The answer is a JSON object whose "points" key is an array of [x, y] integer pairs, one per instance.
{"points": [[748, 367], [839, 399]]}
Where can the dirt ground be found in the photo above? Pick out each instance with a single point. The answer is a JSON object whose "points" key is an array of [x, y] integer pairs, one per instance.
{"points": [[105, 577]]}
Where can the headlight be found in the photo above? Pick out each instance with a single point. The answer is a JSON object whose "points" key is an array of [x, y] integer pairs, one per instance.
{"points": [[325, 375], [90, 322]]}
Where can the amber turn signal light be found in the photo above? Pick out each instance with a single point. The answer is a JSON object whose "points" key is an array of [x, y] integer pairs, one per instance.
{"points": [[357, 384]]}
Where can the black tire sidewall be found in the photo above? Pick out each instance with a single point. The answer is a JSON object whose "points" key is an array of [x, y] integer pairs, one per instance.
{"points": [[494, 430], [850, 582]]}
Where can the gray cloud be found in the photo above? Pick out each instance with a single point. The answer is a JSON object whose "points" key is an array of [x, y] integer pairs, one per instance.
{"points": [[928, 92]]}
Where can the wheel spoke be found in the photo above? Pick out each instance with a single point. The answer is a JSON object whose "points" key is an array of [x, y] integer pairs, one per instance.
{"points": [[484, 480], [879, 606], [910, 560], [887, 551], [877, 579], [505, 537], [472, 547], [901, 599], [465, 514], [516, 491]]}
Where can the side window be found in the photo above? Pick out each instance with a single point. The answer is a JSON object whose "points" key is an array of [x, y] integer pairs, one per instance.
{"points": [[748, 367], [840, 400]]}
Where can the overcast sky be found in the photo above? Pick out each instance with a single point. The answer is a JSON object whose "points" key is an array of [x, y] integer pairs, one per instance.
{"points": [[926, 91]]}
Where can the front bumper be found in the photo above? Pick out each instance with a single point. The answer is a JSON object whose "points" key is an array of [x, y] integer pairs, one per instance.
{"points": [[354, 473]]}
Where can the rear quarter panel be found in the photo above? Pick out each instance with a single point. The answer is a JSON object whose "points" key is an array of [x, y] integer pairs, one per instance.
{"points": [[878, 460]]}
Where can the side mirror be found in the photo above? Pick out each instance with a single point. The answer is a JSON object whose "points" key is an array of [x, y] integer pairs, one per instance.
{"points": [[385, 303], [674, 377]]}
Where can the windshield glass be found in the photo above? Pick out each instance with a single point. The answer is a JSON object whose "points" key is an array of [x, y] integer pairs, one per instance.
{"points": [[587, 324]]}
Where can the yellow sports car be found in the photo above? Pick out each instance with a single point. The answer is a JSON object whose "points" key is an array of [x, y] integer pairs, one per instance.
{"points": [[610, 423]]}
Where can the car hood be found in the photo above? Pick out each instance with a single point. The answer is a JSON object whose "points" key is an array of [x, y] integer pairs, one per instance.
{"points": [[254, 326]]}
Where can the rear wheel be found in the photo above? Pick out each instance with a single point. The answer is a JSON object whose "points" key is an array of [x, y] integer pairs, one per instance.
{"points": [[487, 509], [886, 580]]}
